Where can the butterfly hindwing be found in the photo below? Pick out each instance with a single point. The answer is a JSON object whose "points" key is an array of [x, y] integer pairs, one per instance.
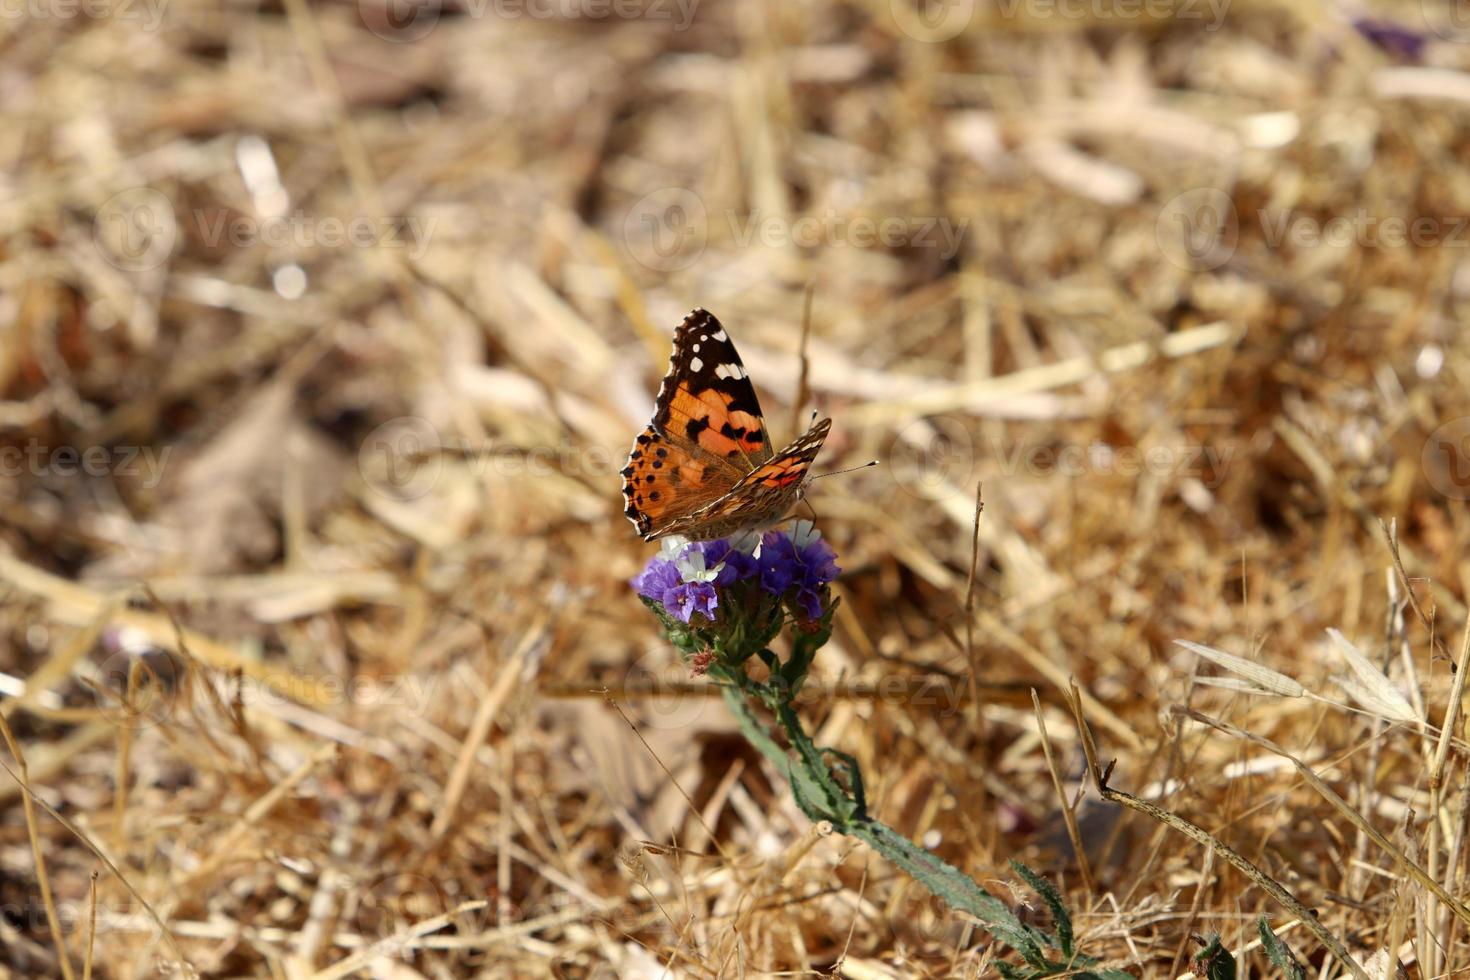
{"points": [[789, 467], [666, 480]]}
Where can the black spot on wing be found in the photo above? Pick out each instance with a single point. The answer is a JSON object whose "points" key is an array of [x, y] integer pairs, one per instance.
{"points": [[738, 393], [702, 347], [694, 428]]}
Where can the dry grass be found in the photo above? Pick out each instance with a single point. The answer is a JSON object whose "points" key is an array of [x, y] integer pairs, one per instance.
{"points": [[311, 554]]}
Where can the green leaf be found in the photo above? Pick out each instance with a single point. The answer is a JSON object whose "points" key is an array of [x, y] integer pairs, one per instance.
{"points": [[955, 887], [854, 780], [1279, 953], [1215, 961], [1053, 900]]}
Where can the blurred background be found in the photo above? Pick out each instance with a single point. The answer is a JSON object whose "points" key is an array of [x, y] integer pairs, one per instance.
{"points": [[325, 328]]}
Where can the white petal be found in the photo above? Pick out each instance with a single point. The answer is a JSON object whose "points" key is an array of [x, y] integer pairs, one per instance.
{"points": [[803, 533], [748, 542]]}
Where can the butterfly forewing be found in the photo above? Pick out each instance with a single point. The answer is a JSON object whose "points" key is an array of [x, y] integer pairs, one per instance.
{"points": [[707, 397]]}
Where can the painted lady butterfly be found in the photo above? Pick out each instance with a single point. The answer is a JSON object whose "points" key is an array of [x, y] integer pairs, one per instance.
{"points": [[704, 467]]}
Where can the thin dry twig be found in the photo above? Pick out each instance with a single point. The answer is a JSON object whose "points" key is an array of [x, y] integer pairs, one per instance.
{"points": [[1205, 839]]}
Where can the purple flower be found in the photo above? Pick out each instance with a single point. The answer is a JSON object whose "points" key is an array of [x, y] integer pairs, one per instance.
{"points": [[816, 555], [656, 580], [1394, 38], [779, 565], [738, 564], [681, 580], [810, 603], [688, 578], [801, 561], [688, 598]]}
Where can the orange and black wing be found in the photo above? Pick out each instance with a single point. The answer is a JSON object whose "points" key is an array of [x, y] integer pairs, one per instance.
{"points": [[707, 432]]}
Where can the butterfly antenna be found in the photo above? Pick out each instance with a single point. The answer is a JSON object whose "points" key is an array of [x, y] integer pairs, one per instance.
{"points": [[871, 462]]}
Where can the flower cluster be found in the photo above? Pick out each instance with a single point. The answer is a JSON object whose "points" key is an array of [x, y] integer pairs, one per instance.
{"points": [[714, 579]]}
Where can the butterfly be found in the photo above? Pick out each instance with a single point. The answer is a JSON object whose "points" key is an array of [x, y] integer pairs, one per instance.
{"points": [[704, 467]]}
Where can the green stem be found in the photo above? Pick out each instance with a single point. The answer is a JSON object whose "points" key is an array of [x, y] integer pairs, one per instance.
{"points": [[821, 798]]}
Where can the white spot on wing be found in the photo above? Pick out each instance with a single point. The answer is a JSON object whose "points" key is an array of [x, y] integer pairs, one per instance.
{"points": [[720, 336], [696, 365], [695, 348], [731, 371]]}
